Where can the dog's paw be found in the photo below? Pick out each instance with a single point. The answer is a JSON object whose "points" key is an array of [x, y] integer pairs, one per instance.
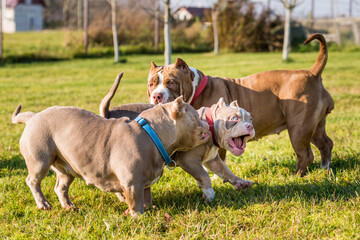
{"points": [[44, 205], [241, 183], [208, 195], [72, 208]]}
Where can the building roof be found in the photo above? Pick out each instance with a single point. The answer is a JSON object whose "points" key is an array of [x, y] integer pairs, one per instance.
{"points": [[194, 10], [14, 3]]}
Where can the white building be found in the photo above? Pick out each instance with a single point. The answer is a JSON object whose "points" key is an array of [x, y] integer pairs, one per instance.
{"points": [[23, 15]]}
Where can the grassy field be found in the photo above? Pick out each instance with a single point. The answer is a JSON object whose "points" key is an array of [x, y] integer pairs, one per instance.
{"points": [[320, 205]]}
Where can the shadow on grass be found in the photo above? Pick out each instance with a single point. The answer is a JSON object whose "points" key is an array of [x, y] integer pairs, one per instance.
{"points": [[16, 162], [329, 189], [31, 58], [260, 194]]}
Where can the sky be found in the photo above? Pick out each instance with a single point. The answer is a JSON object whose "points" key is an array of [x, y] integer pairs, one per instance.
{"points": [[322, 8]]}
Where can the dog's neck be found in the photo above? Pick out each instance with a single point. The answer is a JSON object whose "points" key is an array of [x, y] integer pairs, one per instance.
{"points": [[198, 85]]}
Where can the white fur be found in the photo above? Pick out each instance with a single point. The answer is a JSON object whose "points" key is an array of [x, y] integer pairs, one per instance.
{"points": [[212, 154], [194, 83], [161, 88], [209, 193]]}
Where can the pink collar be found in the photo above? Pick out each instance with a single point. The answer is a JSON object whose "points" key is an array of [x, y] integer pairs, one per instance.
{"points": [[200, 89], [210, 121]]}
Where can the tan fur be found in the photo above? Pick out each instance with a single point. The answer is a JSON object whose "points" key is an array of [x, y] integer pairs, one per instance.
{"points": [[207, 154], [115, 155], [295, 100]]}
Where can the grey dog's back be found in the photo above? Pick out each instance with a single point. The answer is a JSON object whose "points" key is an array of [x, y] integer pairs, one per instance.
{"points": [[131, 110]]}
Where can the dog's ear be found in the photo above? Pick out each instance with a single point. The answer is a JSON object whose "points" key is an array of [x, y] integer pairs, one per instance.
{"points": [[234, 104], [221, 103], [181, 64], [177, 108], [153, 66]]}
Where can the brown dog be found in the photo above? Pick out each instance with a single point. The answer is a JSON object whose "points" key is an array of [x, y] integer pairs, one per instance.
{"points": [[295, 100], [115, 155], [231, 129]]}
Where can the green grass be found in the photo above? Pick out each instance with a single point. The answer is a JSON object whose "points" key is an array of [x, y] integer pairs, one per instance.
{"points": [[280, 204]]}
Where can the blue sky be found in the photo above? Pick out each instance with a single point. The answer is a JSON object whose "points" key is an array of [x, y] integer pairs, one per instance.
{"points": [[322, 7]]}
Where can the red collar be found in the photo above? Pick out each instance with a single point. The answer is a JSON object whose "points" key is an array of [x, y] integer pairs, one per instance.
{"points": [[210, 121], [199, 89]]}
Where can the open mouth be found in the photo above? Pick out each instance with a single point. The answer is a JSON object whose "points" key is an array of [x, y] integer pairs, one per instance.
{"points": [[238, 144]]}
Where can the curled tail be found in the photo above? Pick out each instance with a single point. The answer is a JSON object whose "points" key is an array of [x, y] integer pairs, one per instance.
{"points": [[18, 117], [321, 60], [105, 102]]}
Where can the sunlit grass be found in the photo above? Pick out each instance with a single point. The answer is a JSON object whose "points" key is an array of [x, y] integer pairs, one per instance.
{"points": [[279, 205]]}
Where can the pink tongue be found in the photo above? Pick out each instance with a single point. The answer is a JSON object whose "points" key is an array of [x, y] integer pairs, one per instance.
{"points": [[238, 142]]}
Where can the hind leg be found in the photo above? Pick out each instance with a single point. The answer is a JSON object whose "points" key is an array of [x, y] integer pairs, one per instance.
{"points": [[324, 144], [37, 172], [300, 139], [63, 181]]}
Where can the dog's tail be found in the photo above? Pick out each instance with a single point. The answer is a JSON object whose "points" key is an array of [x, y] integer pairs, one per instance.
{"points": [[105, 102], [18, 117], [321, 60]]}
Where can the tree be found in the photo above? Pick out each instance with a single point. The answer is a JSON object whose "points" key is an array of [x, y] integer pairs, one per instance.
{"points": [[86, 23], [167, 36], [157, 24], [1, 32], [218, 7], [114, 29], [289, 6]]}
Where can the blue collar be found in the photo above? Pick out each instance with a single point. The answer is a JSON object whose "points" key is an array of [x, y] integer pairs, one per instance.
{"points": [[145, 125]]}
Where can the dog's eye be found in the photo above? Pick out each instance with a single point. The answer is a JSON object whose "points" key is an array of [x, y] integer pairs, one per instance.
{"points": [[171, 83], [151, 85], [234, 118]]}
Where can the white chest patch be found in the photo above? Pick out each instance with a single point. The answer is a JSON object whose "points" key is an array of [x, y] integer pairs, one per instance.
{"points": [[194, 83], [211, 154]]}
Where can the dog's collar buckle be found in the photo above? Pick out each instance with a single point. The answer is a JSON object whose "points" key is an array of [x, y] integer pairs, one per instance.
{"points": [[154, 137]]}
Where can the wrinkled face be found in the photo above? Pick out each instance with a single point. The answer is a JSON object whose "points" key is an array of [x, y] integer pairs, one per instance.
{"points": [[166, 83], [233, 126], [191, 131]]}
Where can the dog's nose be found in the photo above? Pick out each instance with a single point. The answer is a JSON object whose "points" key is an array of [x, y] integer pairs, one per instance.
{"points": [[158, 96], [249, 126]]}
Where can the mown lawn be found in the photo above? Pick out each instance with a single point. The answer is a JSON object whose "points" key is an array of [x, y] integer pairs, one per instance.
{"points": [[280, 204]]}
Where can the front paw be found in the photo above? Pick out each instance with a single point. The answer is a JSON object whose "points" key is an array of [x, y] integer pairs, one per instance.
{"points": [[241, 183], [208, 195]]}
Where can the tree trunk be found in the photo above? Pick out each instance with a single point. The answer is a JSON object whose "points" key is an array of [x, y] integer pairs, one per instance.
{"points": [[287, 28], [114, 30], [79, 14], [356, 33], [214, 15], [156, 36], [167, 37], [1, 17], [86, 22]]}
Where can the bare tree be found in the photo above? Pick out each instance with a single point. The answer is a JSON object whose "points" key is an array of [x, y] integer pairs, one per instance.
{"points": [[1, 31], [79, 14], [289, 6], [114, 29], [86, 23], [217, 7], [157, 24], [167, 36], [336, 24]]}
